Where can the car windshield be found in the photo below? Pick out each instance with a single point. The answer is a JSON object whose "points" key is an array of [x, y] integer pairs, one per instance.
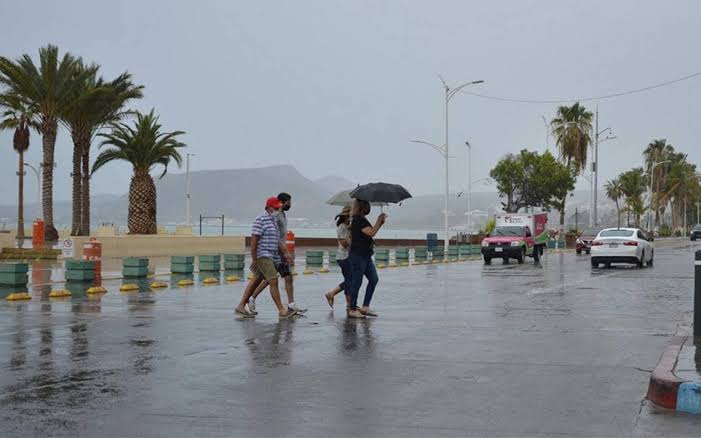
{"points": [[616, 233], [591, 231], [697, 227], [507, 231]]}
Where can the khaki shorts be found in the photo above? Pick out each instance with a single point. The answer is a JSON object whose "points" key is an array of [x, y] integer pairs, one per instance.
{"points": [[266, 268]]}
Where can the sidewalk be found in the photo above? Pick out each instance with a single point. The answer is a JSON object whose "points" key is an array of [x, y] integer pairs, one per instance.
{"points": [[675, 383]]}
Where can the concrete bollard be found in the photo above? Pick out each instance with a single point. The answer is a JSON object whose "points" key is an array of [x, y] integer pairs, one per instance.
{"points": [[697, 294]]}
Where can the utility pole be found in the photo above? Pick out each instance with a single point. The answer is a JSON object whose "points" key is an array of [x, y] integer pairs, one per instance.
{"points": [[188, 196], [595, 178], [469, 187]]}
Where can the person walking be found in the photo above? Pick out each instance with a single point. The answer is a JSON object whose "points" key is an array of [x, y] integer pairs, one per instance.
{"points": [[284, 266], [266, 249], [343, 233], [360, 257]]}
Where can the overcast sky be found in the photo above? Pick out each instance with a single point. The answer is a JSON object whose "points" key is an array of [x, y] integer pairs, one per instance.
{"points": [[340, 87]]}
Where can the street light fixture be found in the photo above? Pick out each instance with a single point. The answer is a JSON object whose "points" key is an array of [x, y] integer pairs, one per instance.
{"points": [[444, 150], [37, 174]]}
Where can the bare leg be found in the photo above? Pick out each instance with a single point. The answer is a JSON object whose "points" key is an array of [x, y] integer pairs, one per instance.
{"points": [[290, 289], [275, 294], [248, 292], [261, 287]]}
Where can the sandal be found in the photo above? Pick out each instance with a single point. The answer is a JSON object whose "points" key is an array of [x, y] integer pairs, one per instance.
{"points": [[243, 313], [329, 299], [367, 312]]}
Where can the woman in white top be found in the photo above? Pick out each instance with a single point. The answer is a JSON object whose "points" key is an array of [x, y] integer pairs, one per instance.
{"points": [[343, 234]]}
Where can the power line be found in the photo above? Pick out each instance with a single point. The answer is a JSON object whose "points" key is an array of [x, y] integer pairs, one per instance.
{"points": [[584, 99]]}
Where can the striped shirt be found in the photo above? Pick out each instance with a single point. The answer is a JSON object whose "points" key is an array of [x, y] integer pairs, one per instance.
{"points": [[265, 227]]}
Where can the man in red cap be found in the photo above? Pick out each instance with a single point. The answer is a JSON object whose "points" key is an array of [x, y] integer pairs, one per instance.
{"points": [[266, 248]]}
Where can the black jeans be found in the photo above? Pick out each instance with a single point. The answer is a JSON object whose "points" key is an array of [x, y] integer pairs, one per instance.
{"points": [[346, 271], [362, 266]]}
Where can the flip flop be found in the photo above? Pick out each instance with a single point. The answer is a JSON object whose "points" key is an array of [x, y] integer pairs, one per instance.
{"points": [[243, 313], [329, 299]]}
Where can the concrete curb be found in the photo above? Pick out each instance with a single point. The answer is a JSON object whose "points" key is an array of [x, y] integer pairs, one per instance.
{"points": [[668, 391]]}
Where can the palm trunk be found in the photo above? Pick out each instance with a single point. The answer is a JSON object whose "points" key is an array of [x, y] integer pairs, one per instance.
{"points": [[85, 193], [142, 204], [618, 213], [47, 191], [20, 201], [75, 203]]}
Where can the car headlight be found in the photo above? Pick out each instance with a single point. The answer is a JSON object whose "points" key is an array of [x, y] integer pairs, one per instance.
{"points": [[516, 243], [485, 243], [579, 241]]}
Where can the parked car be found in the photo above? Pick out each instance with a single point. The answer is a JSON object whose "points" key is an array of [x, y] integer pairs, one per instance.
{"points": [[584, 240], [622, 245], [696, 232]]}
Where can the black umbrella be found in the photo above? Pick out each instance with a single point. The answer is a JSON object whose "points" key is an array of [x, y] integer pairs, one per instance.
{"points": [[380, 193]]}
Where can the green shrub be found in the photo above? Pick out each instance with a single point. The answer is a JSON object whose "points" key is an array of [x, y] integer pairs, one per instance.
{"points": [[491, 223], [664, 231]]}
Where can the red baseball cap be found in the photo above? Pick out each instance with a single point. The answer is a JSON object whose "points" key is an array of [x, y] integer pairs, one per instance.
{"points": [[273, 202]]}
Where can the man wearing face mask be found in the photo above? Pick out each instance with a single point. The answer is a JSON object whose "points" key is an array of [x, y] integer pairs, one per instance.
{"points": [[284, 267]]}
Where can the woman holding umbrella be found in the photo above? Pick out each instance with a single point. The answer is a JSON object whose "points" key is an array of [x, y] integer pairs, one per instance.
{"points": [[360, 258]]}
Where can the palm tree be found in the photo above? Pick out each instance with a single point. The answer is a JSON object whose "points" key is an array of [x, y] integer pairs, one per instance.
{"points": [[96, 104], [48, 88], [572, 130], [20, 118], [144, 146], [614, 191], [633, 183], [658, 151]]}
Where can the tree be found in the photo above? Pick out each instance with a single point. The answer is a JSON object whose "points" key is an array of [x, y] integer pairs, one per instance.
{"points": [[633, 184], [144, 146], [614, 191], [531, 180], [682, 185], [658, 151], [572, 130], [19, 117], [47, 88], [95, 104]]}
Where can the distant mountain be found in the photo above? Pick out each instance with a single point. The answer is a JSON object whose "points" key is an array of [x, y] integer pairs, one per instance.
{"points": [[239, 194]]}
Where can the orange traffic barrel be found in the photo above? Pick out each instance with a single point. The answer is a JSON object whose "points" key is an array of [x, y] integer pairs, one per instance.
{"points": [[38, 233], [291, 244], [92, 250]]}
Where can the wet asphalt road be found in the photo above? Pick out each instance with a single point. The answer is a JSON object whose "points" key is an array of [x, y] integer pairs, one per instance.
{"points": [[458, 350]]}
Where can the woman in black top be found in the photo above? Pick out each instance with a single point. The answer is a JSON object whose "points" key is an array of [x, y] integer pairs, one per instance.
{"points": [[360, 258]]}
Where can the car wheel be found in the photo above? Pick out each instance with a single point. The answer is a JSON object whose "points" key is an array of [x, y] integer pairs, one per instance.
{"points": [[487, 260], [579, 252], [652, 259], [594, 264], [588, 251], [536, 254], [506, 260], [641, 262], [521, 256]]}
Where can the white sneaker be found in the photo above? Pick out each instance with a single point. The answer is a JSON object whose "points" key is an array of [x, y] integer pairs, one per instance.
{"points": [[298, 310], [252, 306]]}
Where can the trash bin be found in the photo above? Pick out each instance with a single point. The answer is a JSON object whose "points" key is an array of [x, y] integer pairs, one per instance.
{"points": [[431, 241]]}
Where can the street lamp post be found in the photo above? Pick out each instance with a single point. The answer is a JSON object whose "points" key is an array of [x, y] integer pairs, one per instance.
{"points": [[595, 164], [469, 188], [188, 195], [37, 174], [449, 94]]}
